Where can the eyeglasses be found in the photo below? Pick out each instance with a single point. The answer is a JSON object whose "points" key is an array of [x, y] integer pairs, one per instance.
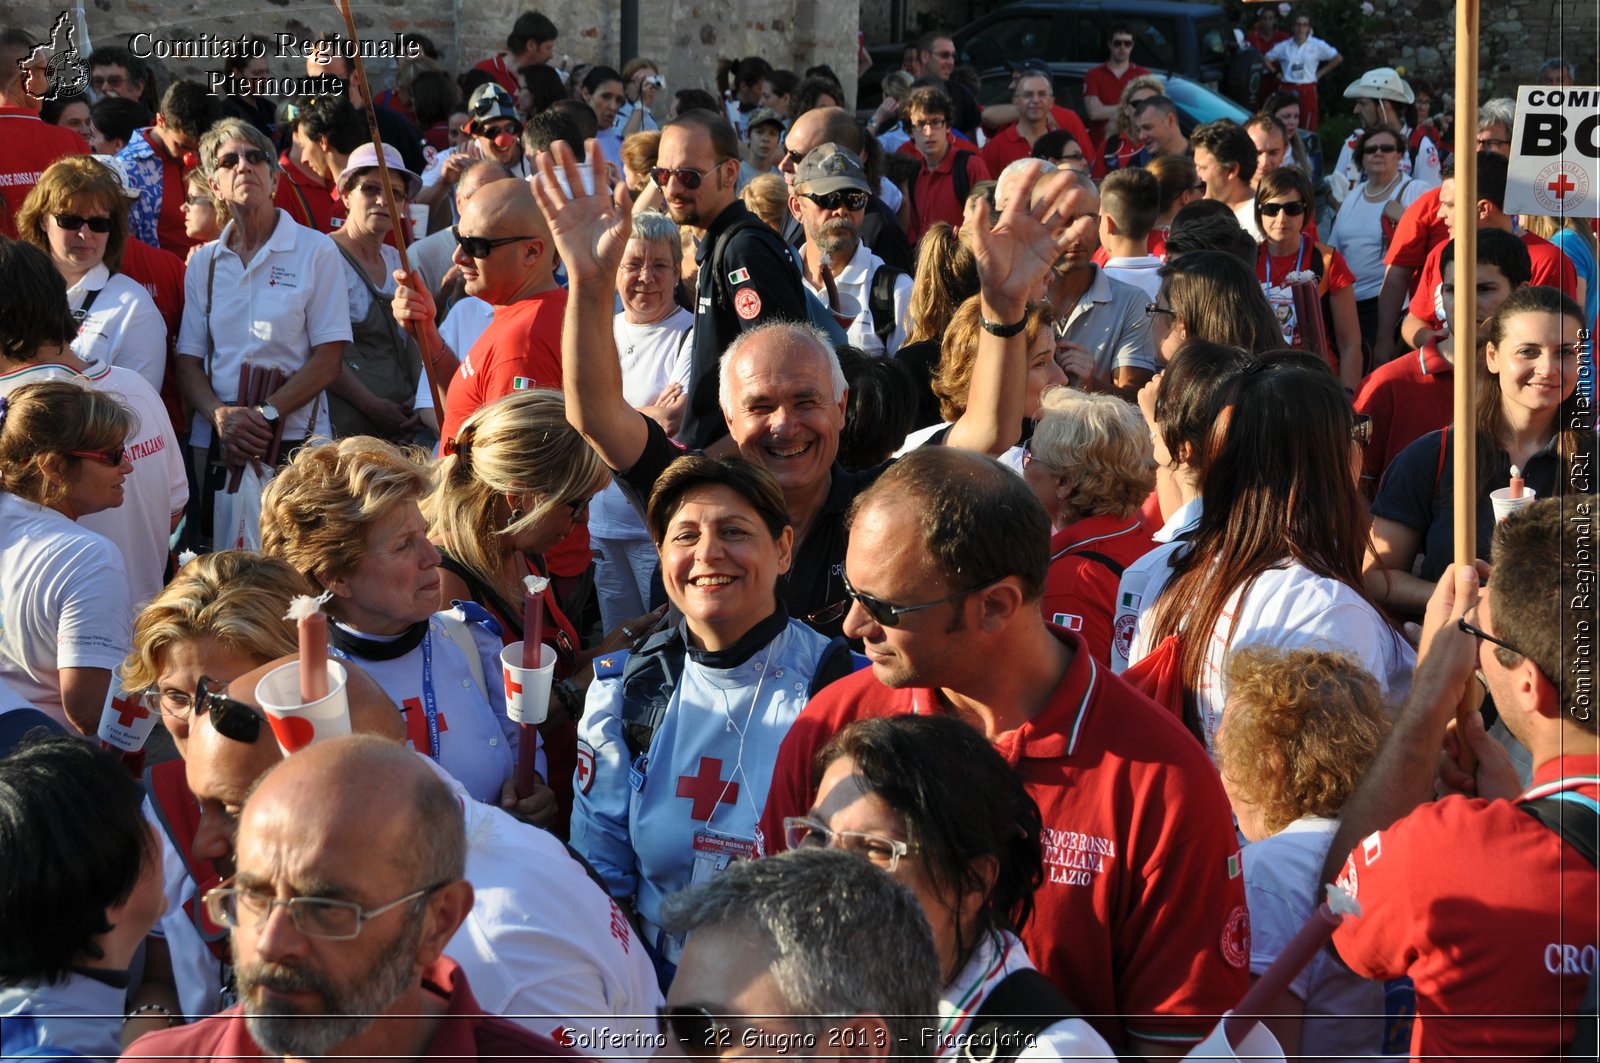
{"points": [[795, 157], [1063, 160], [1141, 101], [700, 1034], [373, 190], [73, 222], [944, 55], [1478, 632], [1361, 430], [513, 128], [578, 505], [802, 833], [317, 917], [234, 720], [112, 457], [887, 614], [488, 105], [1380, 149], [1198, 186], [481, 246], [253, 156], [1122, 44], [198, 201], [1152, 309], [107, 81], [1492, 143], [932, 125], [1294, 208], [852, 200], [688, 178]]}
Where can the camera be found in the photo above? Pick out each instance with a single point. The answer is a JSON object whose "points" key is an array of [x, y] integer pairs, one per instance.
{"points": [[656, 81]]}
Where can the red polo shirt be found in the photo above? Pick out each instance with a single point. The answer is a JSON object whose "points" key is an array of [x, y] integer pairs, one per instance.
{"points": [[1406, 398], [502, 72], [1550, 267], [308, 199], [161, 272], [1008, 145], [31, 145], [1107, 87], [933, 193], [1086, 563]]}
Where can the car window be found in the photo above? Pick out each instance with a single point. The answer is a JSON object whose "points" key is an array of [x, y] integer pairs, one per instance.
{"points": [[1154, 42], [1215, 36], [1022, 35], [1198, 104]]}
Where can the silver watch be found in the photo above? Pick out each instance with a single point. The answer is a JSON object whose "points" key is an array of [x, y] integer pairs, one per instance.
{"points": [[269, 411]]}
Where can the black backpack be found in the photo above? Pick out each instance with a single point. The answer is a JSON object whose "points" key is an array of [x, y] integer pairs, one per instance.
{"points": [[880, 300], [1011, 1016]]}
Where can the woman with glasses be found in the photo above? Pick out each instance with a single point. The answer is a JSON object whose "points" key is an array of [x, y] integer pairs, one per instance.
{"points": [[679, 737], [1367, 218], [202, 218], [346, 514], [78, 214], [1284, 205], [1211, 296], [64, 610], [1276, 555], [375, 389], [973, 854], [1122, 148], [1530, 415]]}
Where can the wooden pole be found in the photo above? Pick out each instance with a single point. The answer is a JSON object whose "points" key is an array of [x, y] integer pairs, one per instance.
{"points": [[429, 348], [1464, 316]]}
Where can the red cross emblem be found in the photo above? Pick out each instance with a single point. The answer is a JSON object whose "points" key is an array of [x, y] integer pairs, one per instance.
{"points": [[707, 789], [512, 686], [417, 725], [1561, 186], [585, 770], [129, 710]]}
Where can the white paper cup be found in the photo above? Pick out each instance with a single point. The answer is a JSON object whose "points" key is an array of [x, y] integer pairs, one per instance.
{"points": [[528, 689], [848, 310], [125, 723], [419, 219], [1259, 1045], [1505, 505], [297, 725]]}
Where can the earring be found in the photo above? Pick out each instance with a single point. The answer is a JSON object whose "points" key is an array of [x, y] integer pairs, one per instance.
{"points": [[516, 515]]}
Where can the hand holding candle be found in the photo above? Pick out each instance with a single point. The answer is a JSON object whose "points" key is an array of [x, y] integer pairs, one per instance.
{"points": [[1300, 951]]}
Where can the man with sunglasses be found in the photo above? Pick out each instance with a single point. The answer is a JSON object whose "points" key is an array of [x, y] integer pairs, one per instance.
{"points": [[938, 60], [1103, 86], [341, 911], [157, 158], [1485, 897], [496, 131], [31, 144], [829, 200], [1140, 921], [879, 227]]}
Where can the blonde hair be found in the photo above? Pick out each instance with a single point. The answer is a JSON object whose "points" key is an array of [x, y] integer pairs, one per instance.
{"points": [[42, 422], [234, 597], [639, 152], [768, 197], [69, 179], [1547, 227], [947, 273], [1104, 444], [1299, 730], [1142, 83], [520, 444], [959, 353], [196, 181], [315, 513]]}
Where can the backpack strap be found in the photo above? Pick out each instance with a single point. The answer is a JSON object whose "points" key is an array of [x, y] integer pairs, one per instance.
{"points": [[719, 272], [836, 662], [963, 179], [649, 677], [1577, 820], [1021, 1005], [455, 628], [880, 300]]}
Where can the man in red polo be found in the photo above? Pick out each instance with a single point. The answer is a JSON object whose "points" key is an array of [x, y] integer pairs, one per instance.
{"points": [[532, 41], [1103, 85], [948, 173], [1035, 102], [946, 566], [30, 144]]}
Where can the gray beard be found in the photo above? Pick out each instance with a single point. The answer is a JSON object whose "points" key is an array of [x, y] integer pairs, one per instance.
{"points": [[838, 239]]}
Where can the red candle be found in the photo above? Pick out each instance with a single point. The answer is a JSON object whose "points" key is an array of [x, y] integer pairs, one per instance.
{"points": [[1517, 483], [313, 631], [1300, 950], [533, 620]]}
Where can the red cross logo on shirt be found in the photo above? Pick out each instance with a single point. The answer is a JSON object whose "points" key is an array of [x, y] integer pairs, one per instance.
{"points": [[417, 725], [128, 710], [707, 789], [1561, 186]]}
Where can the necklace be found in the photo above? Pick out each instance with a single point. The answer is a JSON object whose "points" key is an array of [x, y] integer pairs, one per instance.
{"points": [[1383, 193]]}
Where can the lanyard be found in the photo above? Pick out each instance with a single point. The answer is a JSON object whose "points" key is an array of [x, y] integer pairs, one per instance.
{"points": [[1571, 782], [430, 706], [1298, 256]]}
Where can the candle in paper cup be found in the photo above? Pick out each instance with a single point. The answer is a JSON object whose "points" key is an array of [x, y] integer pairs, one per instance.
{"points": [[1517, 483], [1507, 500], [527, 689], [533, 620], [297, 723], [1257, 1045]]}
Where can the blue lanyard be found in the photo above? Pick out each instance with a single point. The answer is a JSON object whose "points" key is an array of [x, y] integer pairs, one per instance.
{"points": [[430, 706], [1298, 255]]}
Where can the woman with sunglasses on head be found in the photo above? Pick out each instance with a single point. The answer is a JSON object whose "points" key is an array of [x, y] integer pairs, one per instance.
{"points": [[1529, 415], [346, 514], [202, 218], [1367, 218], [679, 737], [377, 385], [973, 854], [1276, 555], [1284, 205], [64, 610], [78, 214]]}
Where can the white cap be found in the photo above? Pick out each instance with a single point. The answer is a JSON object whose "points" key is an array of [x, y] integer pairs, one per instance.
{"points": [[114, 164], [1383, 83]]}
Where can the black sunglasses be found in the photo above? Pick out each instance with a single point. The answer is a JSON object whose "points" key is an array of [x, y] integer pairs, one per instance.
{"points": [[488, 105], [852, 200], [1379, 149], [700, 1035], [887, 614], [578, 505], [253, 156], [795, 157], [688, 178], [480, 246], [112, 457], [1272, 210], [233, 719], [73, 222], [1152, 309]]}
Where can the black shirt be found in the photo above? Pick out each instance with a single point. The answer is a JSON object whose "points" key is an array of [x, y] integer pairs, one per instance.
{"points": [[753, 282], [816, 576]]}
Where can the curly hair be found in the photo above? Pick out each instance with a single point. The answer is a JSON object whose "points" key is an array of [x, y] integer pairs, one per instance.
{"points": [[316, 512], [1104, 444], [76, 179], [959, 353], [1142, 83], [234, 597], [1300, 729], [42, 423]]}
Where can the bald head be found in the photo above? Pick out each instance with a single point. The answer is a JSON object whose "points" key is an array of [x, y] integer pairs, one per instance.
{"points": [[819, 126], [480, 173], [504, 208]]}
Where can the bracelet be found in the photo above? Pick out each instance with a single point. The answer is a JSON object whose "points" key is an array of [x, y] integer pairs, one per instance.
{"points": [[1003, 331], [151, 1009]]}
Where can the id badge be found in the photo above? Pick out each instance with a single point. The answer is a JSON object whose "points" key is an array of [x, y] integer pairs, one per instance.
{"points": [[714, 851]]}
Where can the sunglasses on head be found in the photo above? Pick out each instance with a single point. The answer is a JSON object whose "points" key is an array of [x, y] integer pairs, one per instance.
{"points": [[688, 178], [699, 1034], [73, 222], [112, 457], [481, 246], [233, 720], [853, 199], [1272, 210], [487, 106], [253, 156]]}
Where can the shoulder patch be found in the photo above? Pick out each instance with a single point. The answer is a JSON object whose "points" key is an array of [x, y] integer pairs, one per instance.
{"points": [[1070, 621], [739, 276], [583, 774], [747, 303], [610, 666]]}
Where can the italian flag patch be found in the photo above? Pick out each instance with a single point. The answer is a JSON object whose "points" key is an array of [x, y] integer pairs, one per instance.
{"points": [[1235, 866], [522, 383], [739, 276], [1130, 600]]}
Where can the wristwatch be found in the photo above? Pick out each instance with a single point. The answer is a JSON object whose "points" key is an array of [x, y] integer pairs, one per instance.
{"points": [[269, 411]]}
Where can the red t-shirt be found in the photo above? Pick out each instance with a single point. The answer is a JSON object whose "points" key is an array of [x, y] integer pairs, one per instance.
{"points": [[1420, 229], [161, 273], [308, 200], [1107, 87], [465, 1031], [31, 145], [1550, 267], [502, 72], [933, 193], [1336, 276], [1142, 912], [1492, 915], [1406, 398], [1264, 44], [1008, 145], [1080, 591]]}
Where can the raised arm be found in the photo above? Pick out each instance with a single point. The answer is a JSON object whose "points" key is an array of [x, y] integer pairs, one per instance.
{"points": [[1013, 259], [591, 232]]}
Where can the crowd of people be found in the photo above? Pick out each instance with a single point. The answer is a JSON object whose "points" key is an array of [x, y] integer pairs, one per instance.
{"points": [[996, 563]]}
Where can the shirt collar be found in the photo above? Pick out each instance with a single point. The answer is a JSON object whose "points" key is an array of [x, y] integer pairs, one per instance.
{"points": [[1091, 529], [1055, 731], [861, 265], [1433, 363], [1187, 516], [92, 281]]}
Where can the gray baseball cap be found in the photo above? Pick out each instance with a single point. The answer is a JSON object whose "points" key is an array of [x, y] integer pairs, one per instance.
{"points": [[831, 168]]}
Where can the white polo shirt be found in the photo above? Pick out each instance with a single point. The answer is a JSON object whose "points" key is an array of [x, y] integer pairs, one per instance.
{"points": [[289, 299], [157, 488], [856, 280], [123, 326]]}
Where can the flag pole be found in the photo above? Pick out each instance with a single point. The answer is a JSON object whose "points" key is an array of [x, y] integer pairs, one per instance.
{"points": [[1464, 316]]}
